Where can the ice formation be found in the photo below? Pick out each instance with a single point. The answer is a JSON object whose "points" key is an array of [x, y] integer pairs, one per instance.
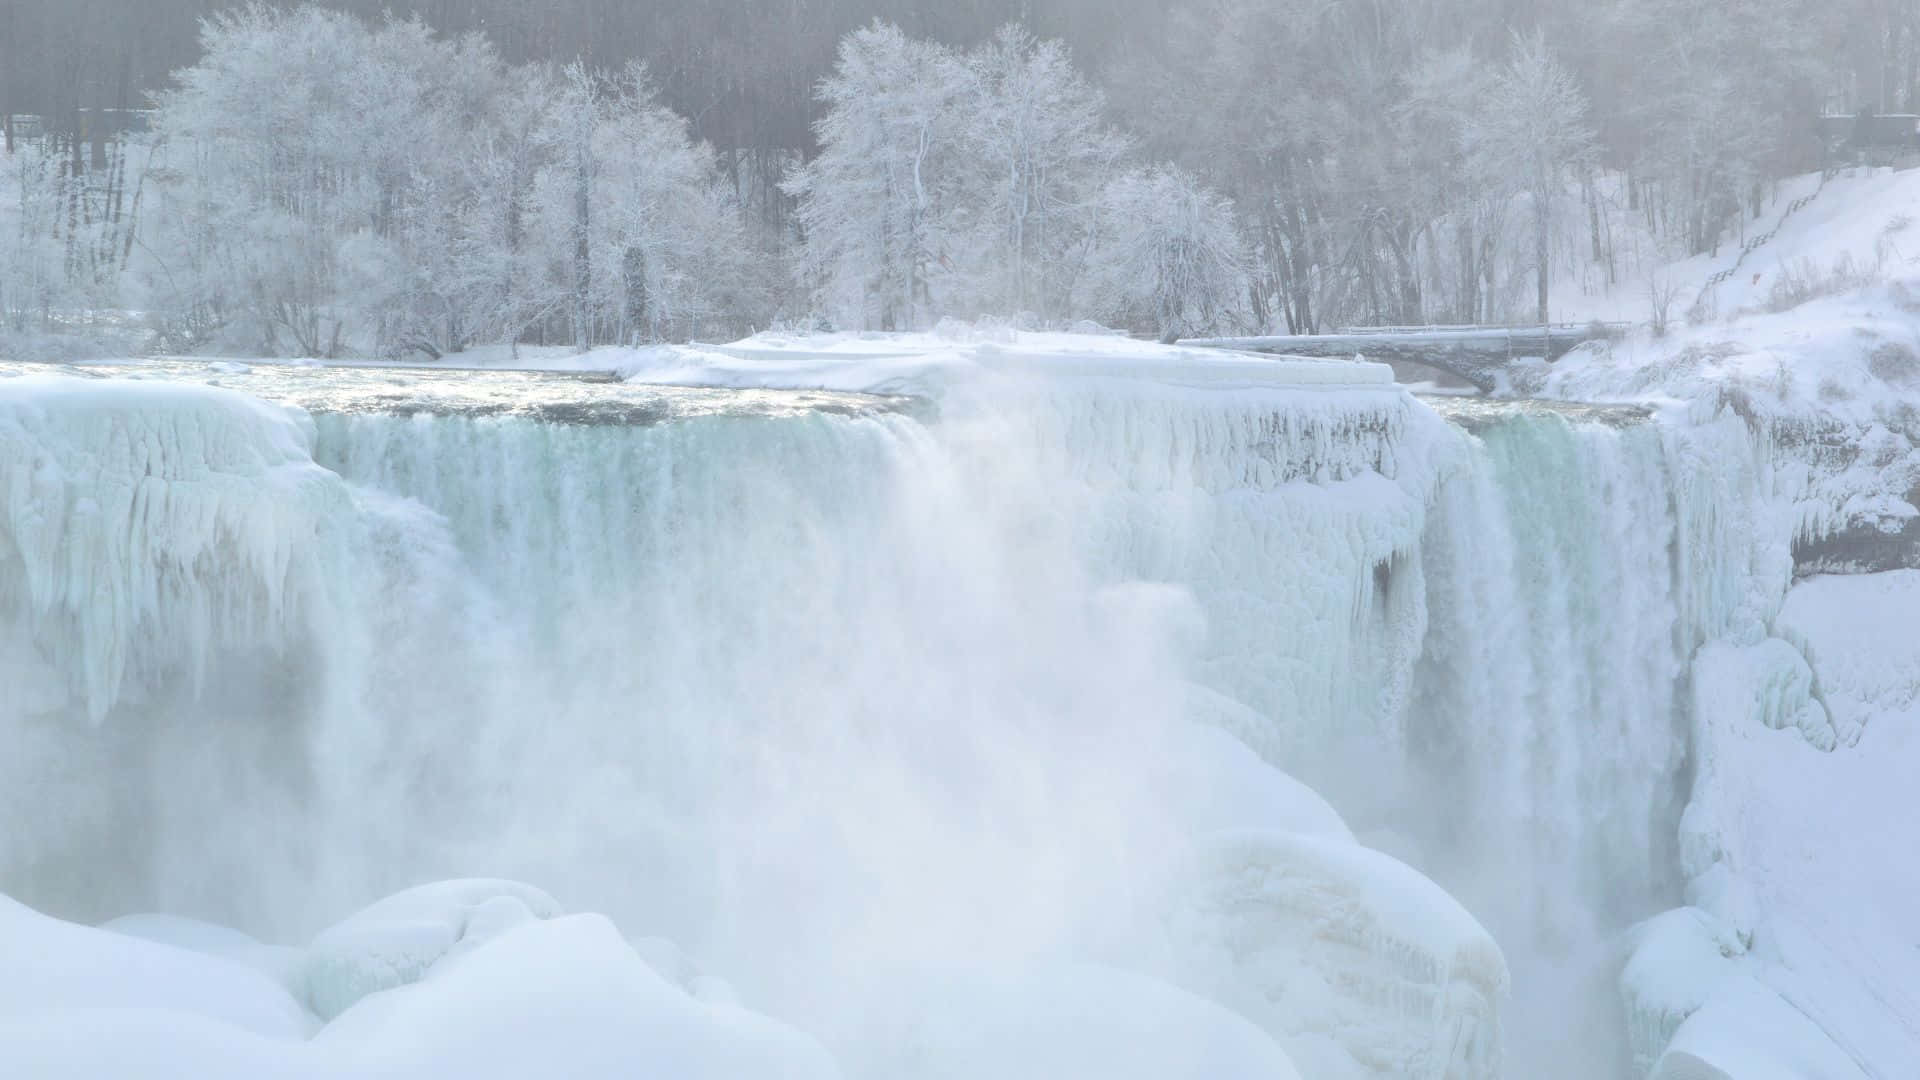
{"points": [[150, 527], [995, 730], [399, 940], [1360, 964]]}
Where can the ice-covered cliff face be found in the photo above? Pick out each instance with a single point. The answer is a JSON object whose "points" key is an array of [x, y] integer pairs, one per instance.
{"points": [[860, 705], [889, 710]]}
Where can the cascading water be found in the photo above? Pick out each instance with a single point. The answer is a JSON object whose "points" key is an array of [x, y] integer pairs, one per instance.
{"points": [[1477, 658], [723, 664], [1545, 729]]}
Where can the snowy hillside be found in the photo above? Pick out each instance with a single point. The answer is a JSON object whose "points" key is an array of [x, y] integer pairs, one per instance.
{"points": [[1859, 226]]}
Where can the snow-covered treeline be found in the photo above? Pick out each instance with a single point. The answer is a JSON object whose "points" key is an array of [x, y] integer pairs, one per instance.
{"points": [[990, 181], [320, 185], [324, 181]]}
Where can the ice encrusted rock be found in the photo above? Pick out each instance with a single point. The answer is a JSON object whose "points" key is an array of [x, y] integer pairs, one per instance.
{"points": [[1773, 679], [147, 526], [1363, 966], [1855, 630], [397, 941], [1677, 959]]}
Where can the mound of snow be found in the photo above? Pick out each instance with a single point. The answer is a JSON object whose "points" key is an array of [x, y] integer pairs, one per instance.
{"points": [[1217, 783], [54, 967], [149, 1043], [284, 965], [397, 941], [1746, 1031], [563, 997]]}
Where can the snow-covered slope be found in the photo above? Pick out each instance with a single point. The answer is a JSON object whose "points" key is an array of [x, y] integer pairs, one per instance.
{"points": [[1860, 222]]}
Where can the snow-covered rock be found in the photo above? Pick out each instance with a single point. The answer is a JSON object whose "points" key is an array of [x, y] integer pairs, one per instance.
{"points": [[1678, 958], [561, 997], [1360, 964], [398, 940]]}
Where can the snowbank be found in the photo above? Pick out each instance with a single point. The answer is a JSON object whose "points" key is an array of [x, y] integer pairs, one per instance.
{"points": [[561, 997], [55, 967], [565, 997], [1793, 846]]}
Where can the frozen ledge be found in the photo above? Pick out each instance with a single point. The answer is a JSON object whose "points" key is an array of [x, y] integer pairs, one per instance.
{"points": [[922, 363], [1198, 367]]}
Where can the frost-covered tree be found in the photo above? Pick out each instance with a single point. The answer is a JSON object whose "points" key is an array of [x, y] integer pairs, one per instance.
{"points": [[330, 186], [1037, 134], [1532, 134], [65, 224], [663, 239], [951, 185], [879, 206], [285, 151], [1169, 259]]}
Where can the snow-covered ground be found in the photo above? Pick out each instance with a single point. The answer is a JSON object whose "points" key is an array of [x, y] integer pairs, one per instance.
{"points": [[1862, 222]]}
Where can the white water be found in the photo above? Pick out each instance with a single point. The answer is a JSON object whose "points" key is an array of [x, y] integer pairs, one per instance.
{"points": [[840, 700]]}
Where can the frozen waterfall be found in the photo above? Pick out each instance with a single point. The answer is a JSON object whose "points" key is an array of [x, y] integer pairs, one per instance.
{"points": [[863, 700]]}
